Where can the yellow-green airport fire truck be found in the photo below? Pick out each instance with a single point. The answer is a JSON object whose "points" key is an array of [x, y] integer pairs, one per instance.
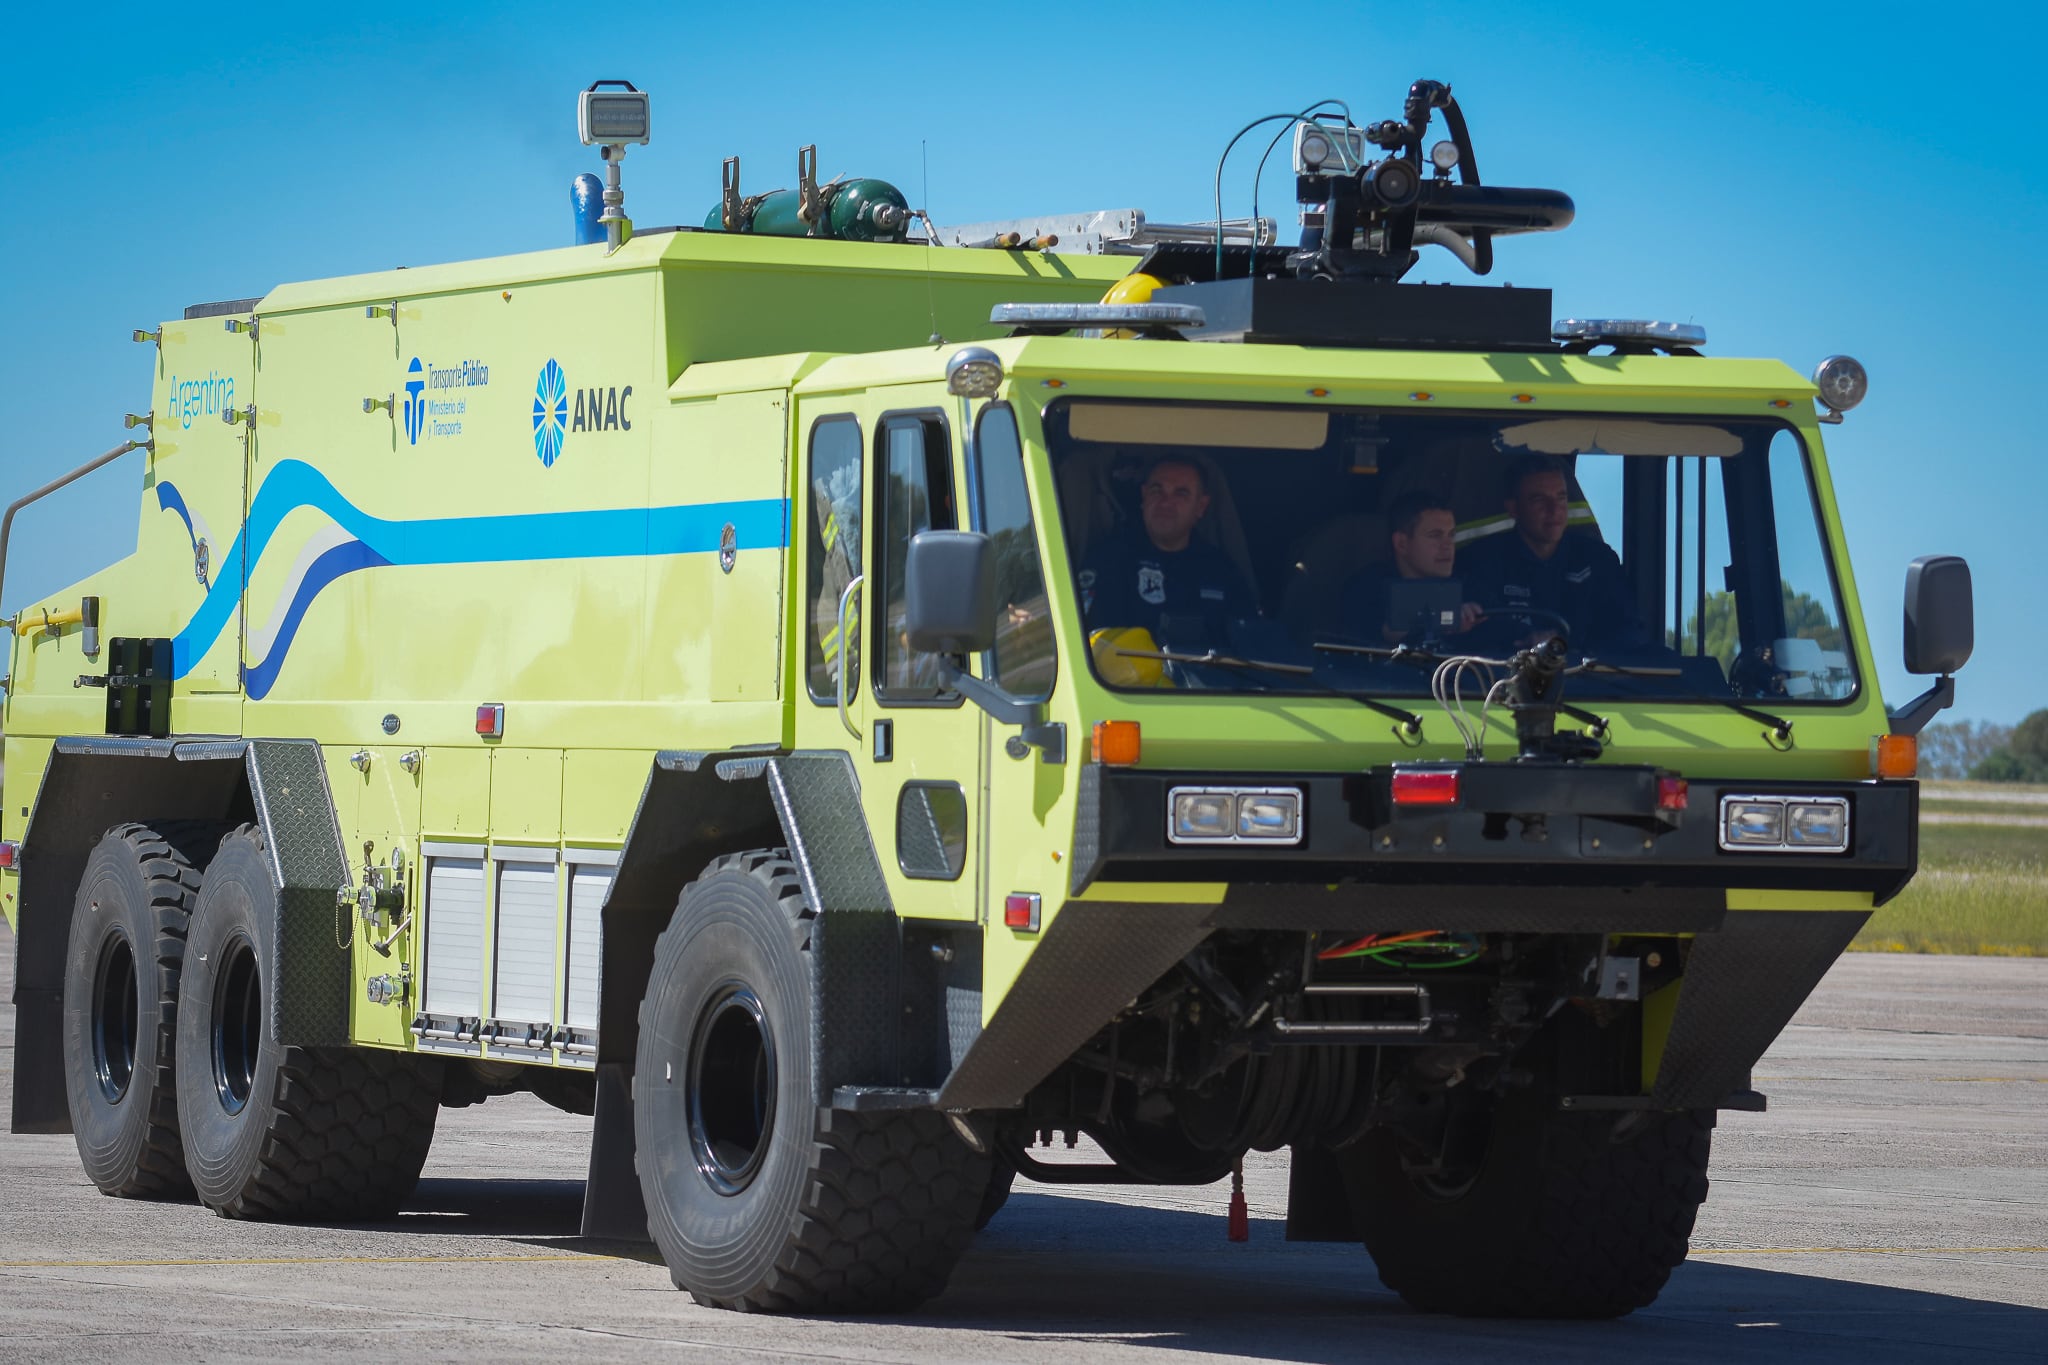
{"points": [[852, 705]]}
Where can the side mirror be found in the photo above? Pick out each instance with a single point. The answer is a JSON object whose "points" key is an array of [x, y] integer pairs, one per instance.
{"points": [[950, 592], [1940, 617]]}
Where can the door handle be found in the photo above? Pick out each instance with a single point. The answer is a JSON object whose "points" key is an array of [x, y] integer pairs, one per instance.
{"points": [[848, 649]]}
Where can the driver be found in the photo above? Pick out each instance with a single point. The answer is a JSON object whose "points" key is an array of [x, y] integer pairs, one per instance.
{"points": [[1422, 533], [1540, 567], [1166, 580]]}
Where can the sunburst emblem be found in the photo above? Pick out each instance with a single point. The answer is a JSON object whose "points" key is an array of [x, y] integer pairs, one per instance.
{"points": [[550, 413]]}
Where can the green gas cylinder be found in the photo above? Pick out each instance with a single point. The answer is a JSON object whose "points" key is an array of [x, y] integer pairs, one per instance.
{"points": [[849, 211]]}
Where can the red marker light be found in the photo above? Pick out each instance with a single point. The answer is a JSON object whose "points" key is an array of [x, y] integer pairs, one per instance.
{"points": [[490, 720], [1670, 793], [10, 854], [1021, 912], [1437, 787]]}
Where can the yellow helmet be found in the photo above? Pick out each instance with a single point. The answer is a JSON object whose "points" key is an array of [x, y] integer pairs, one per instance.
{"points": [[1132, 669], [1136, 287]]}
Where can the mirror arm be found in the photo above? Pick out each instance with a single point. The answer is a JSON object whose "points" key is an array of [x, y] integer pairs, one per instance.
{"points": [[1050, 739], [1912, 718]]}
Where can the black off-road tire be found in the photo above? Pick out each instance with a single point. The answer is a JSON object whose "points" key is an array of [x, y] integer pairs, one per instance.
{"points": [[759, 1199], [1001, 1177], [293, 1134], [121, 973], [1569, 1215]]}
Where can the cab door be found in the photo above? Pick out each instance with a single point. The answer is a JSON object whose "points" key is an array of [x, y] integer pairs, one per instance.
{"points": [[872, 478], [1027, 798]]}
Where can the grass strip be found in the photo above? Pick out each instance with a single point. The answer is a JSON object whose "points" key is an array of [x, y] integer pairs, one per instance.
{"points": [[1982, 890]]}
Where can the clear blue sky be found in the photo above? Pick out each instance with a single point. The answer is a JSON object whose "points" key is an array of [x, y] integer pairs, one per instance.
{"points": [[1800, 179]]}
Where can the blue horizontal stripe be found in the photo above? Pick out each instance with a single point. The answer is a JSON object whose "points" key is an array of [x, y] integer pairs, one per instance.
{"points": [[608, 533]]}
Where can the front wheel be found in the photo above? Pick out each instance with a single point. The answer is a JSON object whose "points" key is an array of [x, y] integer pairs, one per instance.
{"points": [[1559, 1215], [759, 1198]]}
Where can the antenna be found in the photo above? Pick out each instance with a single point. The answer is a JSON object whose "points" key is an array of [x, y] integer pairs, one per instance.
{"points": [[924, 164]]}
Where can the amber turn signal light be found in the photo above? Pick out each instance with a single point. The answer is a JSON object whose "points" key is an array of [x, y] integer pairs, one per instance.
{"points": [[1116, 742], [1896, 756]]}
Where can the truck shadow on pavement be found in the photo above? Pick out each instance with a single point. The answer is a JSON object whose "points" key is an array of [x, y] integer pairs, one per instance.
{"points": [[1054, 1269]]}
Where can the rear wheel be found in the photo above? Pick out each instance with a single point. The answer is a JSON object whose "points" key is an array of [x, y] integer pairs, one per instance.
{"points": [[121, 984], [1560, 1215], [274, 1132], [758, 1198]]}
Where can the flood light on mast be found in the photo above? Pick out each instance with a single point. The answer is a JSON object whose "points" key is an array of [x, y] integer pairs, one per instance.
{"points": [[609, 117]]}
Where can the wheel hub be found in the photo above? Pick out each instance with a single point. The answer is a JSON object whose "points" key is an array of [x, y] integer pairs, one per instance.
{"points": [[115, 1022], [237, 1026]]}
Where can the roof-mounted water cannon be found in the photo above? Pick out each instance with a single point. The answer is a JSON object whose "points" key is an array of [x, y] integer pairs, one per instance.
{"points": [[609, 119], [1364, 216]]}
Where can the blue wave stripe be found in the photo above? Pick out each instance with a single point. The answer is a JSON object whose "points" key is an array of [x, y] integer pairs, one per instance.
{"points": [[342, 559], [610, 533]]}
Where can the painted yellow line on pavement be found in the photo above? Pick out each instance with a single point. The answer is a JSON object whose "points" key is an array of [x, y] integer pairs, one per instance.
{"points": [[293, 1260], [1858, 1251]]}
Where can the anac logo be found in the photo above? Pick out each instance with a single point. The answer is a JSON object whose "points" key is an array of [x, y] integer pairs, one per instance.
{"points": [[415, 401], [550, 413]]}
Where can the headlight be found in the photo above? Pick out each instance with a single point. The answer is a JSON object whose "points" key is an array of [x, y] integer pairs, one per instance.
{"points": [[1269, 815], [1817, 824], [1234, 815], [1785, 824], [1203, 815], [1753, 822]]}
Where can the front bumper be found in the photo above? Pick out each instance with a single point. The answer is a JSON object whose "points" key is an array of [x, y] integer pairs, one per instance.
{"points": [[1599, 831]]}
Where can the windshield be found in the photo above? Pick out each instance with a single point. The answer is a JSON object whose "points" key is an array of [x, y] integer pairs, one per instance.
{"points": [[1686, 552]]}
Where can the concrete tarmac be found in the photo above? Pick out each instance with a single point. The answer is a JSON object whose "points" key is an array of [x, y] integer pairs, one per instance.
{"points": [[1891, 1206]]}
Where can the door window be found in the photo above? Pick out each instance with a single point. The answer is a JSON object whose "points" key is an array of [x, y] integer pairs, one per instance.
{"points": [[914, 494], [1025, 661], [834, 535]]}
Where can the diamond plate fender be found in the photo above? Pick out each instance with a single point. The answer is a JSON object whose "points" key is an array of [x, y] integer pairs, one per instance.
{"points": [[90, 784], [1094, 959], [1742, 985], [310, 976]]}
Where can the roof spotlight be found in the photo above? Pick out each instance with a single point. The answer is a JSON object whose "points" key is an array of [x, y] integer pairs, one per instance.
{"points": [[1393, 183], [1444, 156], [1315, 151], [1842, 382], [973, 372]]}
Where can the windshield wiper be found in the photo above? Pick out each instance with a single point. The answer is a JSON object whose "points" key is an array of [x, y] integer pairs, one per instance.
{"points": [[1779, 733], [1411, 724]]}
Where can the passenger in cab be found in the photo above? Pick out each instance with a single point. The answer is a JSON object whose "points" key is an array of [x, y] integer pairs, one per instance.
{"points": [[1542, 567], [1415, 598], [1167, 580]]}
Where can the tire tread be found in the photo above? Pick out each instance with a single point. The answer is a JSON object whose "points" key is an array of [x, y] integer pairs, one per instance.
{"points": [[892, 1200], [1605, 1225], [171, 855]]}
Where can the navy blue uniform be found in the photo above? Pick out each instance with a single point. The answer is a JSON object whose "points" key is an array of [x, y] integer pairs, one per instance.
{"points": [[1174, 594], [1582, 581]]}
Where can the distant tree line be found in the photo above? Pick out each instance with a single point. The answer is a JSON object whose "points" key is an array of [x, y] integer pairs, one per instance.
{"points": [[1987, 752]]}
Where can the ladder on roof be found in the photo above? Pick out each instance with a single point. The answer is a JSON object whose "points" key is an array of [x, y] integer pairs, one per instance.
{"points": [[1106, 232]]}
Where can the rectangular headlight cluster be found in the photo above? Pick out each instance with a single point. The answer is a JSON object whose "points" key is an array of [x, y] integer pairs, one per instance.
{"points": [[1785, 824], [1233, 815]]}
